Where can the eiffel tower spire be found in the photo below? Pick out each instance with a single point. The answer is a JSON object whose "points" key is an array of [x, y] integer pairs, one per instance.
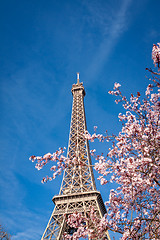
{"points": [[78, 191]]}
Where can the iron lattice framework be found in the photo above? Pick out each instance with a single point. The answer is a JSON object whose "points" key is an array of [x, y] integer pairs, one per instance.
{"points": [[78, 191]]}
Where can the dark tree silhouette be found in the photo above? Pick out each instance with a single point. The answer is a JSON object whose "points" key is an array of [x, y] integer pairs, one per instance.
{"points": [[3, 234]]}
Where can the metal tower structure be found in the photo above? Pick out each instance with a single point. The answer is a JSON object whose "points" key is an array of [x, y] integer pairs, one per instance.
{"points": [[78, 191]]}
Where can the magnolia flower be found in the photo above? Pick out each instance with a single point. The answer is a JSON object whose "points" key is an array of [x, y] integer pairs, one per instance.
{"points": [[156, 54], [117, 85], [48, 155]]}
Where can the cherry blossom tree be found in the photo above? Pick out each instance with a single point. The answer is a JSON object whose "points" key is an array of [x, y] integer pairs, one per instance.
{"points": [[133, 163]]}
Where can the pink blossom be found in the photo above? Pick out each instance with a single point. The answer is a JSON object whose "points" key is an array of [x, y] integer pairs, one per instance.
{"points": [[156, 55], [117, 85]]}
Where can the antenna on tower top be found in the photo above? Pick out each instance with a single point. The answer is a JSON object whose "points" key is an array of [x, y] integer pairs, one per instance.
{"points": [[78, 77]]}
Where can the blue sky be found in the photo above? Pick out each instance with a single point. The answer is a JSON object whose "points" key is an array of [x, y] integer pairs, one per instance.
{"points": [[43, 44]]}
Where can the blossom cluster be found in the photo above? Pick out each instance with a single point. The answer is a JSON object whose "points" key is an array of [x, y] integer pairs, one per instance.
{"points": [[156, 55], [61, 162], [57, 157], [87, 225], [133, 163]]}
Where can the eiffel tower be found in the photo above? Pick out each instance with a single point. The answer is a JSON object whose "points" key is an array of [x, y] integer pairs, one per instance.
{"points": [[78, 190]]}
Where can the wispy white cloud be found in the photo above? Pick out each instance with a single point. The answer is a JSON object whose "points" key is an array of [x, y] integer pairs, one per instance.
{"points": [[28, 234], [11, 189], [113, 27], [27, 225]]}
